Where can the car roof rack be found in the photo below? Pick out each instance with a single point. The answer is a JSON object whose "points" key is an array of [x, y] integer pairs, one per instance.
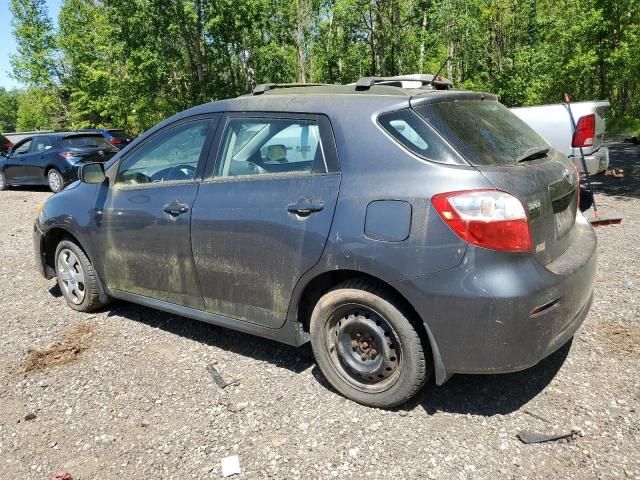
{"points": [[265, 87], [415, 80]]}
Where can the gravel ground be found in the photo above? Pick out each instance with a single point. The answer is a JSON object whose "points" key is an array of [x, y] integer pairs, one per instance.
{"points": [[124, 393]]}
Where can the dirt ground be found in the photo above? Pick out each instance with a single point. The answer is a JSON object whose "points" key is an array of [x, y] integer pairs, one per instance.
{"points": [[124, 393]]}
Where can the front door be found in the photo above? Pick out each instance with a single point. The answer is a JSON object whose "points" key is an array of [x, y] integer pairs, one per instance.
{"points": [[262, 218], [17, 170], [146, 220]]}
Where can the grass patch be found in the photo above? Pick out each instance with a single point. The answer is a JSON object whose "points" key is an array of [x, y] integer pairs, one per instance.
{"points": [[74, 340], [623, 127]]}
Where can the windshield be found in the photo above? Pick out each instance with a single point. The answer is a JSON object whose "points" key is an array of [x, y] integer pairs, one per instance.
{"points": [[485, 132], [79, 141]]}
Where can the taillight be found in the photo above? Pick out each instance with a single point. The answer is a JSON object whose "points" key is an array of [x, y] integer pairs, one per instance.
{"points": [[486, 218], [585, 131], [67, 154], [116, 141]]}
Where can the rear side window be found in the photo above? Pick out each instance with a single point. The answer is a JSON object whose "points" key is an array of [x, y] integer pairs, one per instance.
{"points": [[485, 132], [270, 146], [80, 141], [414, 134], [40, 144]]}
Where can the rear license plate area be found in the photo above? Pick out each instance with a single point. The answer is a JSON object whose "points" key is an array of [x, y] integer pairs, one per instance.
{"points": [[564, 206]]}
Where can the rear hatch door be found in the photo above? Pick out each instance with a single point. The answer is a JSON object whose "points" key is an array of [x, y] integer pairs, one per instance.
{"points": [[514, 159], [89, 147]]}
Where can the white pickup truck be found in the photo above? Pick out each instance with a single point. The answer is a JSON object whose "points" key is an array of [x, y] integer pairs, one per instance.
{"points": [[553, 123]]}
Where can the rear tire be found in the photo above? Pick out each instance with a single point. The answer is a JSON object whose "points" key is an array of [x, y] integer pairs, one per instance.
{"points": [[3, 182], [77, 279], [55, 180], [366, 347]]}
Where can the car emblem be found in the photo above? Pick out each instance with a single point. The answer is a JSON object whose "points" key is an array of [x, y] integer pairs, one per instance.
{"points": [[568, 176]]}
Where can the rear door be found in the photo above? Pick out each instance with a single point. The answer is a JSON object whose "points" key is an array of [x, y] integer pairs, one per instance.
{"points": [[40, 150], [262, 218], [144, 226], [515, 159]]}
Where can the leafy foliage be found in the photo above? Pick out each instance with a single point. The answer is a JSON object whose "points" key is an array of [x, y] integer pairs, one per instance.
{"points": [[130, 63]]}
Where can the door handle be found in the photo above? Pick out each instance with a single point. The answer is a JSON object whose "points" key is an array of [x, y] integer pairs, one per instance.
{"points": [[305, 207], [176, 208]]}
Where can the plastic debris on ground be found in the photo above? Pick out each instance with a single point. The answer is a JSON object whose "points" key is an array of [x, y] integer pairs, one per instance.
{"points": [[231, 466]]}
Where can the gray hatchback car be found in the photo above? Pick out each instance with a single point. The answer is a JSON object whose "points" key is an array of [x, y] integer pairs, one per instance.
{"points": [[402, 231]]}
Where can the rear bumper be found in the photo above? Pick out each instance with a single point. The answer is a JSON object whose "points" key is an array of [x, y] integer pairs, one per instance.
{"points": [[597, 162], [501, 312]]}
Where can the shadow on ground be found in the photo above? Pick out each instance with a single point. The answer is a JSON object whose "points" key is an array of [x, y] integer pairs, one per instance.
{"points": [[31, 188], [294, 359], [473, 394], [624, 155]]}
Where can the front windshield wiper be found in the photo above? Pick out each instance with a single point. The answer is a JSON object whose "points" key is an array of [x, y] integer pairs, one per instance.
{"points": [[533, 153]]}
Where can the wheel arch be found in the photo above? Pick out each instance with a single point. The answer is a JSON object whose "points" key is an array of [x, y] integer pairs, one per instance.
{"points": [[50, 241], [325, 281], [52, 237]]}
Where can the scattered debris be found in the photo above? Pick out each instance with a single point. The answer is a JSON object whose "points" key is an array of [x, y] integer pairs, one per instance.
{"points": [[622, 338], [535, 437], [74, 340], [536, 416], [614, 172], [213, 371], [62, 475], [230, 466], [30, 416]]}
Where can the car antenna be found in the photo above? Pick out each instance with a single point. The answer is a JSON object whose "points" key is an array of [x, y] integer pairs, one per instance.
{"points": [[446, 60]]}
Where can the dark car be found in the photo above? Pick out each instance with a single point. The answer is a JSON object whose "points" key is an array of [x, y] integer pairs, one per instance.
{"points": [[52, 159], [403, 231], [115, 136]]}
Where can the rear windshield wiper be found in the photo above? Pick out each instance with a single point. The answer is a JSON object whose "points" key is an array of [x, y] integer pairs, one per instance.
{"points": [[533, 153]]}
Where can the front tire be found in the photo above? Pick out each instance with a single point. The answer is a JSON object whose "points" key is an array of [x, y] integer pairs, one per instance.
{"points": [[3, 182], [77, 279], [55, 180], [366, 347]]}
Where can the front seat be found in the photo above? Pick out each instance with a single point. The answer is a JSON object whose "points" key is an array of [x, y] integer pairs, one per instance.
{"points": [[277, 153]]}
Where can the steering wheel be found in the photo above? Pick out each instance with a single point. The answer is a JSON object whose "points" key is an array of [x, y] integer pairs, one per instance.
{"points": [[181, 172], [253, 167]]}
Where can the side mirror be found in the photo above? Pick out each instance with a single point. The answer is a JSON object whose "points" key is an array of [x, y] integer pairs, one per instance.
{"points": [[91, 173]]}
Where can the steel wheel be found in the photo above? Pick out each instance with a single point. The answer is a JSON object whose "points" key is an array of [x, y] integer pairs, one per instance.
{"points": [[364, 348], [71, 276], [55, 180]]}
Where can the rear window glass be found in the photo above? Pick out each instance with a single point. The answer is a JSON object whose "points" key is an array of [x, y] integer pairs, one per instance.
{"points": [[118, 134], [485, 132], [85, 141], [415, 135]]}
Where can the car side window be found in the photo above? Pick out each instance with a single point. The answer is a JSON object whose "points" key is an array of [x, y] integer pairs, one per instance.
{"points": [[41, 144], [22, 148], [171, 156], [268, 146]]}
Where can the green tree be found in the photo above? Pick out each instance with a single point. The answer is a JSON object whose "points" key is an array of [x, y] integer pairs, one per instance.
{"points": [[8, 110], [34, 64], [38, 109]]}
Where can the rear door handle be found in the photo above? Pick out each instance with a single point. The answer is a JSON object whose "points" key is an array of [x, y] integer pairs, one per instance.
{"points": [[305, 207], [176, 208]]}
